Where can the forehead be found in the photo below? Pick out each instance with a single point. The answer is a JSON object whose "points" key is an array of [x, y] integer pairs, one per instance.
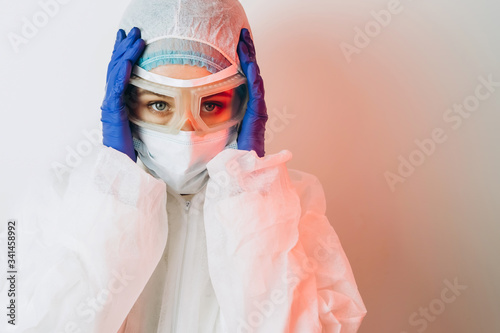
{"points": [[181, 72]]}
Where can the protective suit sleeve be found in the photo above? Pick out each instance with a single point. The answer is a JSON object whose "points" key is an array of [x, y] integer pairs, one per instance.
{"points": [[87, 247], [275, 262]]}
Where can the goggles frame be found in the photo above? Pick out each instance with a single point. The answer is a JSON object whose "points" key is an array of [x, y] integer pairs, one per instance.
{"points": [[188, 95]]}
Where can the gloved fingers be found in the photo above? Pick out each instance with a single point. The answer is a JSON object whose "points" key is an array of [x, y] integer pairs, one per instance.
{"points": [[256, 102], [246, 48], [256, 108], [255, 82], [246, 53], [243, 54], [121, 83], [115, 88], [125, 44], [120, 36], [123, 77], [114, 117], [132, 53], [122, 44], [251, 135], [135, 51], [253, 125], [120, 73]]}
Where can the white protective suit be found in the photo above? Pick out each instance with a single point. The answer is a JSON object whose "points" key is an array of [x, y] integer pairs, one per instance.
{"points": [[114, 251], [252, 252]]}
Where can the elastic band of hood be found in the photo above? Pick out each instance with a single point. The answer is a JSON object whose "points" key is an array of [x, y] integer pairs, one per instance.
{"points": [[174, 51]]}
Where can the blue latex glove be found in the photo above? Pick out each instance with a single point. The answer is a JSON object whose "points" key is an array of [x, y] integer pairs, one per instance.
{"points": [[115, 124], [253, 125]]}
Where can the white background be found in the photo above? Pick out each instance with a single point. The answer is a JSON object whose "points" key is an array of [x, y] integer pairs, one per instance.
{"points": [[351, 122]]}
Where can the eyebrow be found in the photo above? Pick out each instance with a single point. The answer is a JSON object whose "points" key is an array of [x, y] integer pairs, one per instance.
{"points": [[147, 92]]}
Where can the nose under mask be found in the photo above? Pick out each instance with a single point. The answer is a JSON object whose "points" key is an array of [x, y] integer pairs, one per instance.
{"points": [[180, 160]]}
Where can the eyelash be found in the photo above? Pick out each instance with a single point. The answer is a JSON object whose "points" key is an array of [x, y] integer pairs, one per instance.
{"points": [[219, 105], [150, 106]]}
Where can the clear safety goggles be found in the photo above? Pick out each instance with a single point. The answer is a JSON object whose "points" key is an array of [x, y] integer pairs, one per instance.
{"points": [[185, 100]]}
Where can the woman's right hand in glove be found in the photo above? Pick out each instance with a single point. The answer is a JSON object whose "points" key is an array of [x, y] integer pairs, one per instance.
{"points": [[115, 124]]}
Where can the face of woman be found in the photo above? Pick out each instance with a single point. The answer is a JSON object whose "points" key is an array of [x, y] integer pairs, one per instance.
{"points": [[154, 108]]}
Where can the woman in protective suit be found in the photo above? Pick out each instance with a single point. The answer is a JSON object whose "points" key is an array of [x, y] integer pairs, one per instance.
{"points": [[180, 222], [249, 248]]}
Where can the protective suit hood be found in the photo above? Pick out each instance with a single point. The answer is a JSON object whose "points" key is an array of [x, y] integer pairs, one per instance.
{"points": [[217, 23]]}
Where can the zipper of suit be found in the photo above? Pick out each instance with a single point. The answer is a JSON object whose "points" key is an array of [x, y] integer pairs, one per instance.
{"points": [[185, 216]]}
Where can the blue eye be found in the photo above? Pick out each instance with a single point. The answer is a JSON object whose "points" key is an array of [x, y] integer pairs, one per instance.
{"points": [[159, 106]]}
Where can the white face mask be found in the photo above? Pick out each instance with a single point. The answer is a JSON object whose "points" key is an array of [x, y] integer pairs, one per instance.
{"points": [[180, 160]]}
